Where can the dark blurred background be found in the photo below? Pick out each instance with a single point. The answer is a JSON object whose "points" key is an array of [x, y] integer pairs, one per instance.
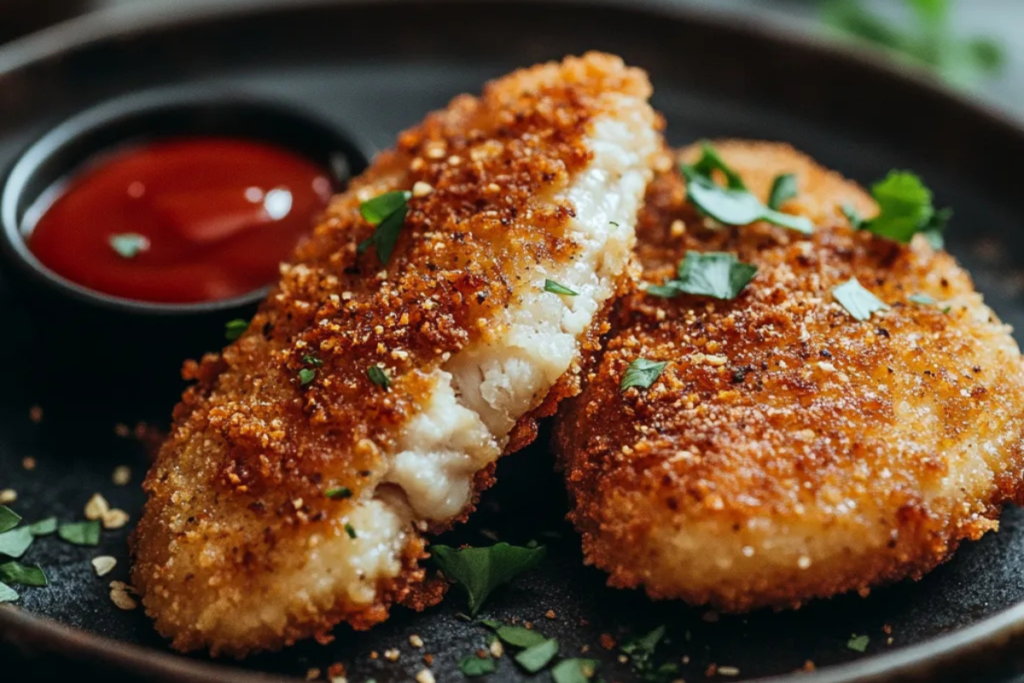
{"points": [[974, 45]]}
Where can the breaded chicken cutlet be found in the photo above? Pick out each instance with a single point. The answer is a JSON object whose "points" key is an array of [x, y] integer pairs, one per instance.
{"points": [[367, 402], [789, 451]]}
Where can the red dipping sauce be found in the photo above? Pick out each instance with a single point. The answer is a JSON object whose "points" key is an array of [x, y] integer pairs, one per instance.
{"points": [[181, 221]]}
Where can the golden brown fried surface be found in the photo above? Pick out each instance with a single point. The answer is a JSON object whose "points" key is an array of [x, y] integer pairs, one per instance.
{"points": [[240, 548], [789, 451]]}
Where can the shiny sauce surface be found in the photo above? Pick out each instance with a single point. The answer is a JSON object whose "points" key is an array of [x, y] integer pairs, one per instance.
{"points": [[182, 220]]}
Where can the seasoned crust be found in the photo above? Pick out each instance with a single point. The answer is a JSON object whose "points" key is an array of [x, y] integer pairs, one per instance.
{"points": [[236, 497], [789, 451]]}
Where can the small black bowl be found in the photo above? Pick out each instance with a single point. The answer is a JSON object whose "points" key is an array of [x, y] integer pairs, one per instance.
{"points": [[103, 342]]}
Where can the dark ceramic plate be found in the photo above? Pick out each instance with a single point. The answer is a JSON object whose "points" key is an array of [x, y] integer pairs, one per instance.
{"points": [[373, 69]]}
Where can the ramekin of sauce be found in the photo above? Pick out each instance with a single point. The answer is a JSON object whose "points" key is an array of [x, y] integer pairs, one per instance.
{"points": [[146, 224]]}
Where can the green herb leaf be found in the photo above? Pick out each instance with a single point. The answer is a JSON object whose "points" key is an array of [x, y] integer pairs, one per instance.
{"points": [[641, 654], [922, 299], [379, 376], [859, 302], [480, 570], [8, 518], [310, 359], [15, 542], [20, 574], [642, 373], [731, 205], [387, 212], [44, 527], [339, 493], [574, 670], [233, 329], [7, 594], [538, 656], [306, 376], [905, 206], [715, 274], [555, 288], [473, 666], [856, 222], [784, 188], [519, 636], [129, 245], [350, 530], [858, 643], [80, 533]]}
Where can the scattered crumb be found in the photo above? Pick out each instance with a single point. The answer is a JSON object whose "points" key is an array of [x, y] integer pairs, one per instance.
{"points": [[122, 430], [887, 629], [623, 659], [424, 676], [415, 640], [312, 674], [888, 641], [711, 670], [710, 616], [421, 189], [550, 614], [122, 475], [339, 679], [481, 653], [114, 519], [35, 413], [584, 649], [728, 671], [121, 598], [97, 507], [864, 592], [336, 671], [373, 654], [8, 496], [809, 665], [103, 565], [496, 648], [392, 655], [686, 659], [29, 463], [528, 625], [428, 659], [607, 641]]}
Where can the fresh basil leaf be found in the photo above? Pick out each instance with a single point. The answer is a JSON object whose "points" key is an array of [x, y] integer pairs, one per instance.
{"points": [[379, 376], [480, 570], [519, 636], [642, 373], [858, 301], [574, 670], [387, 212], [233, 329], [7, 594], [44, 527], [24, 575], [128, 245], [15, 542], [784, 188], [339, 493], [473, 666], [555, 288], [714, 274], [8, 518], [306, 375], [80, 533], [538, 656], [858, 643]]}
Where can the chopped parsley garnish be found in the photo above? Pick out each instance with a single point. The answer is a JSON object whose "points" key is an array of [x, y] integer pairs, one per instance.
{"points": [[339, 493], [7, 594], [555, 288], [15, 542], [233, 329], [379, 376], [517, 635], [44, 527], [641, 655], [473, 666], [306, 375], [856, 222], [80, 533], [642, 373], [310, 359], [922, 299], [733, 204], [387, 212], [574, 670], [859, 302], [905, 209], [129, 244], [22, 575], [715, 274], [8, 518], [784, 188], [536, 657], [480, 570], [350, 530], [858, 643]]}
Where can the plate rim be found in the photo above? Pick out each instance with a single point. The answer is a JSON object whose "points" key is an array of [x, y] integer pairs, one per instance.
{"points": [[29, 632]]}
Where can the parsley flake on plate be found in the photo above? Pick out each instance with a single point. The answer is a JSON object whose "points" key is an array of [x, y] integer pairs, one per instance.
{"points": [[642, 373], [574, 670], [43, 527], [387, 213], [556, 288], [7, 594], [858, 643], [129, 244], [641, 655], [517, 635], [379, 376], [15, 542], [8, 518], [480, 570], [473, 666], [536, 657], [233, 329], [733, 204], [306, 375], [339, 493], [351, 531], [858, 302], [80, 533], [905, 209], [23, 575], [784, 188], [310, 359], [715, 274]]}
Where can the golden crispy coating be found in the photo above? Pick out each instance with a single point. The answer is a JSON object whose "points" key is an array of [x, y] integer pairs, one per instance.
{"points": [[239, 548], [789, 451]]}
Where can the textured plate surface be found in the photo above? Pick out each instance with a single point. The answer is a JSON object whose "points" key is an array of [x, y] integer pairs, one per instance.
{"points": [[375, 69]]}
